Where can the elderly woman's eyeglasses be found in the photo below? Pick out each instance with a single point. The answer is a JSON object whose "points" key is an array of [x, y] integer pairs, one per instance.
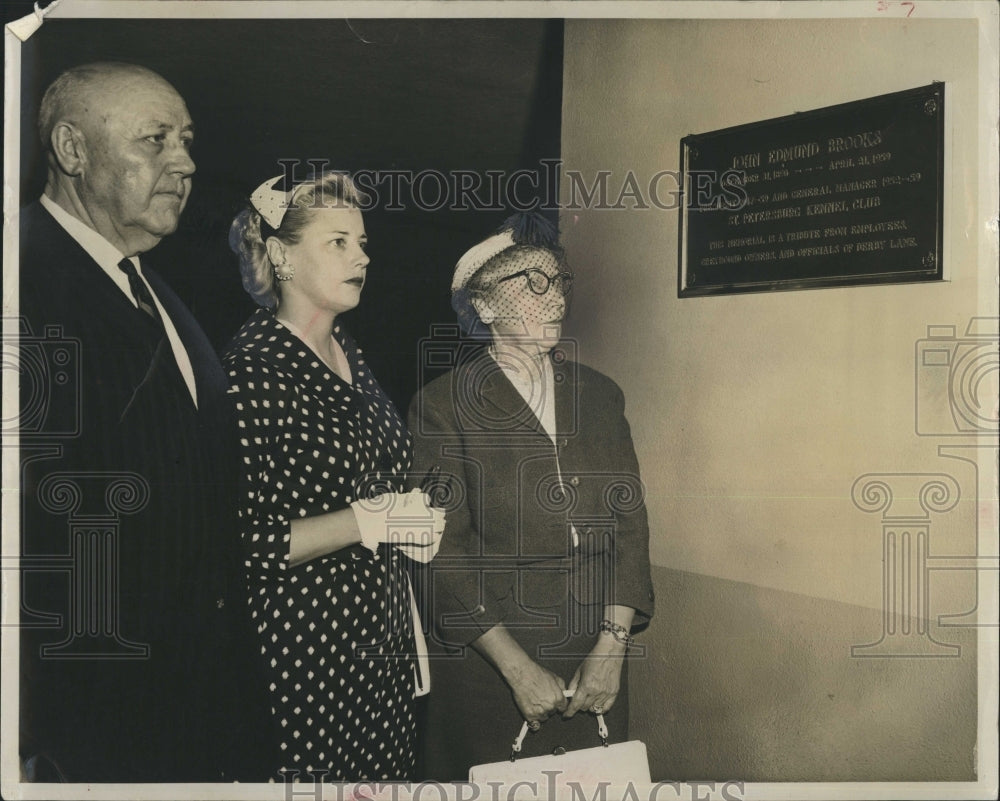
{"points": [[539, 281]]}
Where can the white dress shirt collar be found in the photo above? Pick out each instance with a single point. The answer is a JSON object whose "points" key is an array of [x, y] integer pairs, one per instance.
{"points": [[107, 256], [97, 247]]}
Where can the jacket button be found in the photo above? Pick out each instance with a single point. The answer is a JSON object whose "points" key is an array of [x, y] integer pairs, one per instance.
{"points": [[221, 602], [574, 481]]}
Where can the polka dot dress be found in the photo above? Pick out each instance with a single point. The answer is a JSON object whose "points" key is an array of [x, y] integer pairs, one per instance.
{"points": [[335, 632]]}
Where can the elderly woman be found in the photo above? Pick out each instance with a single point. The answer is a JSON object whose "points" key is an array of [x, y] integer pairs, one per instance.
{"points": [[324, 522], [544, 567]]}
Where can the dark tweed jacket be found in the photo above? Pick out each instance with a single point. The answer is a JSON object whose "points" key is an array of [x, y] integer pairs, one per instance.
{"points": [[507, 550]]}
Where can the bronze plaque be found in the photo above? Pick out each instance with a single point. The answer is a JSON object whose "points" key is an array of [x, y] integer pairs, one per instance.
{"points": [[844, 195]]}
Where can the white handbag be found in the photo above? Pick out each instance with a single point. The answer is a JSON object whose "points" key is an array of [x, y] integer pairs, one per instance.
{"points": [[566, 774]]}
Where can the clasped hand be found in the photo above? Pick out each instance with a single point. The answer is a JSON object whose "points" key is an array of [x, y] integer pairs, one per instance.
{"points": [[405, 520], [597, 680], [538, 693]]}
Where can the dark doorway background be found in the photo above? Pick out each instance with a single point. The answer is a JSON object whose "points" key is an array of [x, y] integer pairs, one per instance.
{"points": [[424, 94]]}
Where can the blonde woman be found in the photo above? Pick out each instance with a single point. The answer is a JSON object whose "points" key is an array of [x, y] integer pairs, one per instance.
{"points": [[324, 453]]}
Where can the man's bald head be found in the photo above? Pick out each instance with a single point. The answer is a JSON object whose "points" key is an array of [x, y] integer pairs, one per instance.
{"points": [[118, 138], [79, 91]]}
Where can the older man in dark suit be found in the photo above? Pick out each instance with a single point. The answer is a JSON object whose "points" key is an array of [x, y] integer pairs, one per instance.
{"points": [[136, 662]]}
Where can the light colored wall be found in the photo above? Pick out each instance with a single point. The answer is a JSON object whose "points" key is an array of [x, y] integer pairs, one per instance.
{"points": [[754, 414], [748, 683]]}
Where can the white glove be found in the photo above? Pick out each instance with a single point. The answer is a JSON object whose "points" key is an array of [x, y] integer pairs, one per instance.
{"points": [[403, 519]]}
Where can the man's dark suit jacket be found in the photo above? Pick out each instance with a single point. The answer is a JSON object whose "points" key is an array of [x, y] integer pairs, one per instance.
{"points": [[137, 661], [507, 545]]}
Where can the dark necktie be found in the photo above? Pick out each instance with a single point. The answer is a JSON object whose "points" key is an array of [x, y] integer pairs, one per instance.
{"points": [[164, 350], [141, 292]]}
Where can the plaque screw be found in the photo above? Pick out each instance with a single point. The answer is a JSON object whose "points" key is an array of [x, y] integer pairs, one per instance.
{"points": [[693, 153], [929, 260], [930, 107]]}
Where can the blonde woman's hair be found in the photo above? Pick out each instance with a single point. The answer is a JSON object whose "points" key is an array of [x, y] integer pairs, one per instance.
{"points": [[249, 232]]}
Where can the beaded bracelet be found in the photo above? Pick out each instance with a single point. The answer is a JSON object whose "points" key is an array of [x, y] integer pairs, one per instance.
{"points": [[619, 632]]}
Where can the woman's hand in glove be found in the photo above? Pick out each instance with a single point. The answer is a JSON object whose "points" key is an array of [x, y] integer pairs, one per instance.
{"points": [[404, 519]]}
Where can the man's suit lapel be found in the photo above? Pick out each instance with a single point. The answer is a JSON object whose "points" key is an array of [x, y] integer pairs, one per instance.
{"points": [[74, 273], [210, 380], [79, 276]]}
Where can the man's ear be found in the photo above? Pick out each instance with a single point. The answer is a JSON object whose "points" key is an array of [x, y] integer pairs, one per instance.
{"points": [[69, 148], [484, 310]]}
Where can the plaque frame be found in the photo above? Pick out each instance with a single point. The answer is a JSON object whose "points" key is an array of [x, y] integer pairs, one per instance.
{"points": [[923, 271]]}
